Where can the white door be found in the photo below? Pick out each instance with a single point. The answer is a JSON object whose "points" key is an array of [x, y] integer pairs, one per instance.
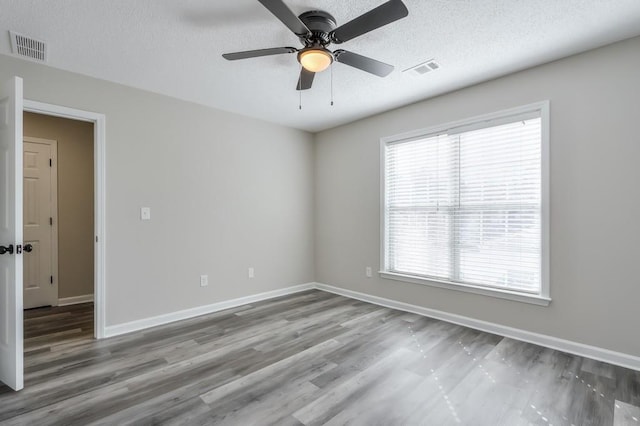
{"points": [[11, 362], [39, 193]]}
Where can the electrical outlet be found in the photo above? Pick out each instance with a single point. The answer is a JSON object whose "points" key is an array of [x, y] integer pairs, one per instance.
{"points": [[145, 213], [204, 280], [251, 272], [367, 271]]}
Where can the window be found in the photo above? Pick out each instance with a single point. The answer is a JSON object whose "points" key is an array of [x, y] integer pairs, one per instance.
{"points": [[465, 205]]}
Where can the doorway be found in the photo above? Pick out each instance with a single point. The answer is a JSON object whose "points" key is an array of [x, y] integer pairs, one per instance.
{"points": [[81, 240], [58, 218]]}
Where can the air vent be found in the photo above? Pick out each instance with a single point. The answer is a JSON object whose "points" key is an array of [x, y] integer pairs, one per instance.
{"points": [[423, 67], [28, 47]]}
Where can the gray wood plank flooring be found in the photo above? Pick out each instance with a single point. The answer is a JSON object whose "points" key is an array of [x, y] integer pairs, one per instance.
{"points": [[311, 358]]}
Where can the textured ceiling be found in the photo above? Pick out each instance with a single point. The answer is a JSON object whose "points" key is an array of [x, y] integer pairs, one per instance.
{"points": [[175, 47]]}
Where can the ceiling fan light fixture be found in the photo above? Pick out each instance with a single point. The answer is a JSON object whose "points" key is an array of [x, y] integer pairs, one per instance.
{"points": [[315, 59]]}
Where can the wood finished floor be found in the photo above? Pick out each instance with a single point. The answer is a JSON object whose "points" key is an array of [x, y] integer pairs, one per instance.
{"points": [[307, 359], [46, 327]]}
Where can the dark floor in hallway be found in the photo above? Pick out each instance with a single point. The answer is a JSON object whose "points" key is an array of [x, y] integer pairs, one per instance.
{"points": [[51, 326]]}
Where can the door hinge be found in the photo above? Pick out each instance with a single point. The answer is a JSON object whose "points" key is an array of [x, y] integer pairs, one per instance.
{"points": [[51, 221], [51, 279], [50, 162]]}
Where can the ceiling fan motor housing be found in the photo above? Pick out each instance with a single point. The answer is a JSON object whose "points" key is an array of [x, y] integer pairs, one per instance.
{"points": [[320, 24]]}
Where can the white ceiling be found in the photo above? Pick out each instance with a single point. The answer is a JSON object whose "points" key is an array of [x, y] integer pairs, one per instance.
{"points": [[175, 47]]}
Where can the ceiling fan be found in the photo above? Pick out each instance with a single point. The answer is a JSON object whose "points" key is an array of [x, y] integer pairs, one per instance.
{"points": [[317, 30]]}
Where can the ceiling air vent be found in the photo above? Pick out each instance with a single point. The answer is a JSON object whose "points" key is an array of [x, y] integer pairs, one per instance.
{"points": [[423, 68], [28, 47]]}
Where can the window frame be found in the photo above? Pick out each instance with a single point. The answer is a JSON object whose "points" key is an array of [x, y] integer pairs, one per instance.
{"points": [[543, 108]]}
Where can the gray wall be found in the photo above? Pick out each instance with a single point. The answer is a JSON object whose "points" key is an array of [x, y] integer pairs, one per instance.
{"points": [[75, 198], [229, 192], [595, 200], [226, 192]]}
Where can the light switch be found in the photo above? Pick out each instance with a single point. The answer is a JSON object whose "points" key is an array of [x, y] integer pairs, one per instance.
{"points": [[145, 213]]}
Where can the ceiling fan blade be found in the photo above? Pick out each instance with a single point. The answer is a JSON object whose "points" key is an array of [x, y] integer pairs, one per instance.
{"points": [[382, 15], [257, 53], [305, 80], [283, 13], [363, 63]]}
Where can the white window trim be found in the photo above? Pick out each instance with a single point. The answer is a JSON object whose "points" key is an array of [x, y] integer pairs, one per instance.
{"points": [[543, 298]]}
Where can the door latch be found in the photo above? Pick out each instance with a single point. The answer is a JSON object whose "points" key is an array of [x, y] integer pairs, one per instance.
{"points": [[27, 248]]}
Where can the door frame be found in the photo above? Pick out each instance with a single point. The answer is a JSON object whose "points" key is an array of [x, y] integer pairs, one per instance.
{"points": [[54, 206], [99, 123]]}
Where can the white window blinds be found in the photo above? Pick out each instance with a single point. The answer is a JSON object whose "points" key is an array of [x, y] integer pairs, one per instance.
{"points": [[465, 206]]}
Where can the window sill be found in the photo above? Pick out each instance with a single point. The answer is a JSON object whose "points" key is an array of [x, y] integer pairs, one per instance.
{"points": [[501, 294]]}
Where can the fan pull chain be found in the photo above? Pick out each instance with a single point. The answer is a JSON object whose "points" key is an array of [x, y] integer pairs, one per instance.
{"points": [[332, 84], [300, 91]]}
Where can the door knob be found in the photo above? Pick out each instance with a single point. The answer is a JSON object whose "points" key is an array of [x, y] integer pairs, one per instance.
{"points": [[7, 249], [28, 248]]}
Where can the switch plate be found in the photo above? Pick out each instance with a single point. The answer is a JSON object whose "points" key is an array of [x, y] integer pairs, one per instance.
{"points": [[204, 280], [251, 272], [367, 271], [145, 213]]}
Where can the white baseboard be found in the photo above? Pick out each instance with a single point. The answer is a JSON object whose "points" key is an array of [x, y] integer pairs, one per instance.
{"points": [[64, 301], [115, 330], [600, 354], [594, 352]]}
